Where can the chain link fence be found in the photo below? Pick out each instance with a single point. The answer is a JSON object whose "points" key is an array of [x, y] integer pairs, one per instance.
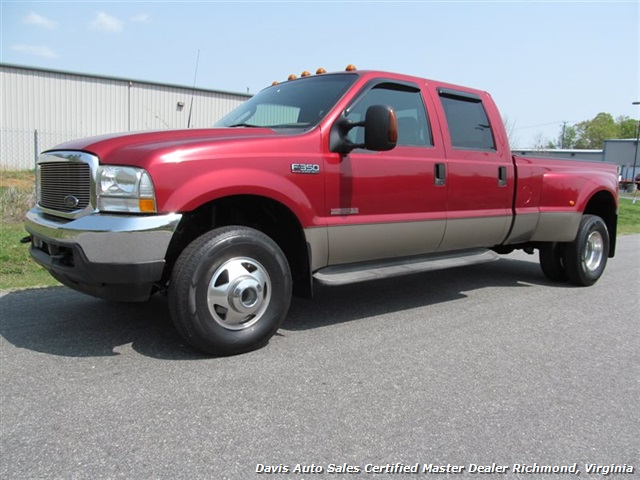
{"points": [[19, 149]]}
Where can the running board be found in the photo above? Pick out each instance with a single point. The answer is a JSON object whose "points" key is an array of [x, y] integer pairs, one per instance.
{"points": [[360, 272]]}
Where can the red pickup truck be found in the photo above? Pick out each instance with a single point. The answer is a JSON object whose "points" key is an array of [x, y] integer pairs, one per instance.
{"points": [[334, 178]]}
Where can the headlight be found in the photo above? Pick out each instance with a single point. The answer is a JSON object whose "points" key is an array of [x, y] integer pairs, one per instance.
{"points": [[125, 189]]}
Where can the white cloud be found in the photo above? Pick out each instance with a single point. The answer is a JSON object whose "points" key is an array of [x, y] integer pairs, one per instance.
{"points": [[40, 21], [38, 50], [107, 23], [141, 18]]}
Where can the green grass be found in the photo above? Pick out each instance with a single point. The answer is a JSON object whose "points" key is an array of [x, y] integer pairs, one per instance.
{"points": [[629, 216], [18, 270]]}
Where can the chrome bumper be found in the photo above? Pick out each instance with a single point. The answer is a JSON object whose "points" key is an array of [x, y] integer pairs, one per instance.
{"points": [[108, 238], [110, 256]]}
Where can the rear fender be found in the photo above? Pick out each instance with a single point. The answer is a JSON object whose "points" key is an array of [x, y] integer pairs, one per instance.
{"points": [[566, 196]]}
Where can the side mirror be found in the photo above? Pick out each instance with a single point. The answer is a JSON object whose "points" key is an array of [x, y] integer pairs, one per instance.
{"points": [[380, 131], [380, 128]]}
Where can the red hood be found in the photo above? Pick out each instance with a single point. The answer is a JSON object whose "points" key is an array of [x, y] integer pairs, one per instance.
{"points": [[137, 148]]}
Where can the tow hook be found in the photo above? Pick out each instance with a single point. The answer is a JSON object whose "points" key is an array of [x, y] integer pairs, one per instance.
{"points": [[26, 239]]}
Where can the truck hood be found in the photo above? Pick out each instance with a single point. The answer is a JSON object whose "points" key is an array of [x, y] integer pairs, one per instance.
{"points": [[134, 148]]}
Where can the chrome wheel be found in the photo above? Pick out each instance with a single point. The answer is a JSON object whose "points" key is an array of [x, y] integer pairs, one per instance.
{"points": [[230, 290], [585, 258], [593, 251], [239, 293]]}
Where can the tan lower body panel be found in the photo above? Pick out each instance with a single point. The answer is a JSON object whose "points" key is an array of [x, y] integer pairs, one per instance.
{"points": [[557, 227], [342, 244], [475, 232], [364, 242], [524, 226], [361, 243], [338, 245]]}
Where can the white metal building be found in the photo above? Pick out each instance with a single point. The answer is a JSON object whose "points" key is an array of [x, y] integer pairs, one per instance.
{"points": [[42, 108]]}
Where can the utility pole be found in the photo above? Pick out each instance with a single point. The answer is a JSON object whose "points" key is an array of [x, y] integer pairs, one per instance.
{"points": [[564, 128], [635, 159]]}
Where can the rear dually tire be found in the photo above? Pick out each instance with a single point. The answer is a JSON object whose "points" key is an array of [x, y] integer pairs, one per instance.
{"points": [[585, 258]]}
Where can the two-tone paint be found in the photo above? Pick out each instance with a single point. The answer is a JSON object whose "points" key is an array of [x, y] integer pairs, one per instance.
{"points": [[363, 206]]}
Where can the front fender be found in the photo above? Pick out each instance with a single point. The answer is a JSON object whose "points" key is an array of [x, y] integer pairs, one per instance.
{"points": [[216, 184]]}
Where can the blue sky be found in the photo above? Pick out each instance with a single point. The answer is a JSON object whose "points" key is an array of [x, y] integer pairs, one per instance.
{"points": [[543, 62]]}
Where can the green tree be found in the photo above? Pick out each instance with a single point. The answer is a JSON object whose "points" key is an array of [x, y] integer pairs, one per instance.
{"points": [[568, 137], [591, 134], [628, 127]]}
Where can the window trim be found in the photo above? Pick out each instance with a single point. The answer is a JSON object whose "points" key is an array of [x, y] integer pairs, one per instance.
{"points": [[468, 97], [459, 95], [405, 86]]}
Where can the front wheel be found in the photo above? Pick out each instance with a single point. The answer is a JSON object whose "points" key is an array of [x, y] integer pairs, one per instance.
{"points": [[230, 291], [585, 258]]}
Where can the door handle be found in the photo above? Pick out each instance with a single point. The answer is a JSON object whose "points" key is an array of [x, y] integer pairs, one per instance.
{"points": [[502, 176], [440, 174]]}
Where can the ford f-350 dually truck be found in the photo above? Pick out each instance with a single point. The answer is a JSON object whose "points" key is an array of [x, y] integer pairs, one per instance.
{"points": [[333, 178]]}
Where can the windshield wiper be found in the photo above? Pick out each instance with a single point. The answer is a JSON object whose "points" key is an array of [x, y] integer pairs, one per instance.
{"points": [[282, 125], [290, 125], [244, 125]]}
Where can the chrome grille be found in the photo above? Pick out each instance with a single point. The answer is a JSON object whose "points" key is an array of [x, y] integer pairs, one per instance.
{"points": [[65, 186]]}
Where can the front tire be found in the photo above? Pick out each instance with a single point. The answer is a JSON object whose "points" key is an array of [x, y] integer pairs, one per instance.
{"points": [[230, 291], [585, 258]]}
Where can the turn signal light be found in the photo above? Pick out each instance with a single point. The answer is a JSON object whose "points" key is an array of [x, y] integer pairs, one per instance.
{"points": [[147, 205]]}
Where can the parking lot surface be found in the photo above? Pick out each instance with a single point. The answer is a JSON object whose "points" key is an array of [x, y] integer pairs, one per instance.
{"points": [[476, 365]]}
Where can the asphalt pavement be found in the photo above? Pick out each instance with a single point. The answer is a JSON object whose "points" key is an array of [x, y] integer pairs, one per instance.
{"points": [[480, 365]]}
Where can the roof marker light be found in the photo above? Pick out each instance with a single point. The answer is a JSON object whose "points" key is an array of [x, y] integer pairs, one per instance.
{"points": [[350, 68], [305, 74], [292, 77], [320, 71]]}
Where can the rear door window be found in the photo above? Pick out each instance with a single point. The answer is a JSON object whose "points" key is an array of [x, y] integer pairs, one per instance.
{"points": [[467, 120]]}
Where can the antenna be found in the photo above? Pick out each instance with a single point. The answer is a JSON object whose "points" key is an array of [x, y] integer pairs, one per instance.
{"points": [[195, 75]]}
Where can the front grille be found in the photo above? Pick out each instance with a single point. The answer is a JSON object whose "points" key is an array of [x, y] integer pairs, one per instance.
{"points": [[65, 186]]}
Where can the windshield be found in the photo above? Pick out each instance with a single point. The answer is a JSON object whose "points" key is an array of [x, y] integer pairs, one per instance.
{"points": [[295, 104]]}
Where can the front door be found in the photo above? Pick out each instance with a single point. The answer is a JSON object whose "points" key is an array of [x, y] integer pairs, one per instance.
{"points": [[386, 204]]}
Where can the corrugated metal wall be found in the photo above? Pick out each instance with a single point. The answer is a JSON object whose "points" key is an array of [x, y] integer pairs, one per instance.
{"points": [[42, 108], [624, 153]]}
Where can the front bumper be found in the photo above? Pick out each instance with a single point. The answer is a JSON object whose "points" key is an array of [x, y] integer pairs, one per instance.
{"points": [[117, 257]]}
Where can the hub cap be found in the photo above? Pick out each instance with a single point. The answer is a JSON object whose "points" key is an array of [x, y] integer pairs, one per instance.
{"points": [[239, 293], [593, 251]]}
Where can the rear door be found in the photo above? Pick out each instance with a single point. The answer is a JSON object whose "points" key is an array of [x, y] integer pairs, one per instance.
{"points": [[480, 173]]}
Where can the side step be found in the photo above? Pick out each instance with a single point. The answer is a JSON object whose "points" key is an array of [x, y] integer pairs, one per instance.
{"points": [[360, 272]]}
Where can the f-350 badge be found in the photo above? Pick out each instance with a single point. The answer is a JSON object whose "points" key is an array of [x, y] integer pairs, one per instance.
{"points": [[308, 168]]}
